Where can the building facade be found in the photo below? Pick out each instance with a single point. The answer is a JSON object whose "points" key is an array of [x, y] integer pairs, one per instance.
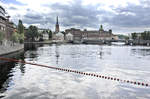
{"points": [[2, 20], [97, 34], [6, 26], [44, 33], [69, 37], [59, 37], [79, 36]]}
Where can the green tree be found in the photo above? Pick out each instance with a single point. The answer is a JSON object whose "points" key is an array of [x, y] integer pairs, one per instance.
{"points": [[148, 35], [21, 38], [143, 35], [134, 36], [15, 37], [50, 34], [20, 27], [32, 33], [101, 28]]}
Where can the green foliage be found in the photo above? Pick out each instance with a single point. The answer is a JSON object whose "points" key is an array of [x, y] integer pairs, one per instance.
{"points": [[134, 36], [144, 35], [1, 36], [120, 36], [101, 28], [50, 34], [21, 38], [20, 27], [32, 33], [40, 35], [15, 37]]}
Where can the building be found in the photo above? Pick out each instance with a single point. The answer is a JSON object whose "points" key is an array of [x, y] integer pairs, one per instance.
{"points": [[44, 33], [79, 36], [9, 28], [6, 26], [69, 37], [115, 37], [100, 34], [57, 26], [2, 20], [59, 37], [90, 35]]}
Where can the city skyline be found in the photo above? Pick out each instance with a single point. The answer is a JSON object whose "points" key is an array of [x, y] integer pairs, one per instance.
{"points": [[122, 16]]}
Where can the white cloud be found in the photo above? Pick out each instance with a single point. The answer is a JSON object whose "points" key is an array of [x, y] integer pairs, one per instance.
{"points": [[79, 13], [128, 13], [42, 2], [115, 3]]}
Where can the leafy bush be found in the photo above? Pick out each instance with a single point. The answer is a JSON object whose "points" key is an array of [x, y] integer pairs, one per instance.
{"points": [[15, 37], [21, 38]]}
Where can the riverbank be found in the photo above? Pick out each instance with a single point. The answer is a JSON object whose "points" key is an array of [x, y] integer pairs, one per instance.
{"points": [[139, 42], [8, 49]]}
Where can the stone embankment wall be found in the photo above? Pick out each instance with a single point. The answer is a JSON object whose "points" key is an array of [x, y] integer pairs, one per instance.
{"points": [[6, 49], [139, 42]]}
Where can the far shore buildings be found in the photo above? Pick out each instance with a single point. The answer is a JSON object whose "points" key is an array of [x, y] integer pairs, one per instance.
{"points": [[6, 26], [77, 35], [100, 34]]}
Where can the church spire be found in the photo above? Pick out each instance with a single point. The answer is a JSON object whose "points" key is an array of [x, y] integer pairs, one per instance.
{"points": [[57, 20], [57, 26]]}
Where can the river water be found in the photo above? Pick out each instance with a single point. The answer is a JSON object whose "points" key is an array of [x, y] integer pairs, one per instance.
{"points": [[24, 81]]}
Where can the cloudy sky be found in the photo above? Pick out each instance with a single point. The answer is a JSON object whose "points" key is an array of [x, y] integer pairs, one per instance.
{"points": [[122, 16]]}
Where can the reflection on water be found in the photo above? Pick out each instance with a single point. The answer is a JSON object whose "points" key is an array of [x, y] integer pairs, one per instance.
{"points": [[6, 71], [27, 81], [5, 77], [142, 52]]}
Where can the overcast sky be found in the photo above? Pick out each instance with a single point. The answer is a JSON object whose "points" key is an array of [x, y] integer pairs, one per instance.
{"points": [[122, 16]]}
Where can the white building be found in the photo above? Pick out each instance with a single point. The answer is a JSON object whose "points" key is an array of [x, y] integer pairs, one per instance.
{"points": [[59, 36], [45, 35], [69, 37]]}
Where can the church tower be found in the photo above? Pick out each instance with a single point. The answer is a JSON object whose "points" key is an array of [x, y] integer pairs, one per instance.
{"points": [[57, 26]]}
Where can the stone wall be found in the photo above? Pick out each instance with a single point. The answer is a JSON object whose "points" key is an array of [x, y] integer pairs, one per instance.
{"points": [[6, 49]]}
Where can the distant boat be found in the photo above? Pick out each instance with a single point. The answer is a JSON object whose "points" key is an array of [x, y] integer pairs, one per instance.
{"points": [[117, 43]]}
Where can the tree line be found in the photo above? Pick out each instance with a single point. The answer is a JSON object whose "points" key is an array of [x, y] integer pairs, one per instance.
{"points": [[32, 34], [142, 36]]}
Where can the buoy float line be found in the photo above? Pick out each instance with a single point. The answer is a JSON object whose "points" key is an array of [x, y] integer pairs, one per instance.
{"points": [[78, 72]]}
